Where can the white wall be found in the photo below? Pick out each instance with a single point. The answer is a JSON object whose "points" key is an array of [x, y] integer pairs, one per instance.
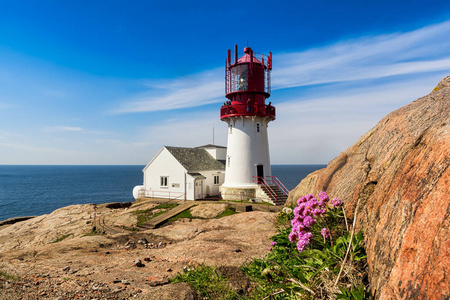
{"points": [[217, 153], [164, 164], [209, 181], [246, 149]]}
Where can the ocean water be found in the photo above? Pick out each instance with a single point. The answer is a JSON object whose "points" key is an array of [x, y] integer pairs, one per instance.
{"points": [[37, 190]]}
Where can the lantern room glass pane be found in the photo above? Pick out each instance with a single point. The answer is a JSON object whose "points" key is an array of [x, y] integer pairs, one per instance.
{"points": [[239, 78]]}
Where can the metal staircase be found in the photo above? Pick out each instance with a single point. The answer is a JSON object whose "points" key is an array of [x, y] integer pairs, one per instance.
{"points": [[275, 194], [274, 189]]}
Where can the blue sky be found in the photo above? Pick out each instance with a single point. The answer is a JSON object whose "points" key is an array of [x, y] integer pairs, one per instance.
{"points": [[111, 82]]}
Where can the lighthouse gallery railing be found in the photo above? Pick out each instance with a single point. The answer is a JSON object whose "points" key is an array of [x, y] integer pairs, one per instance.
{"points": [[261, 110]]}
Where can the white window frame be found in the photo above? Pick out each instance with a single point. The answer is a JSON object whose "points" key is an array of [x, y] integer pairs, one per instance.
{"points": [[164, 181], [216, 179]]}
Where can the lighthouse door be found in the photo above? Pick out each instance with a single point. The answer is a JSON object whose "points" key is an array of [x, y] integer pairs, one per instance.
{"points": [[260, 173]]}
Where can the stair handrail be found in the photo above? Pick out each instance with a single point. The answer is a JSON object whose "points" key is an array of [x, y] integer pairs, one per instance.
{"points": [[264, 183], [280, 185]]}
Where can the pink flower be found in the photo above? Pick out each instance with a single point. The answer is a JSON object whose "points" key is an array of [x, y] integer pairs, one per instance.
{"points": [[273, 243], [323, 197], [325, 232], [270, 249], [336, 202], [293, 236], [304, 241], [301, 200], [318, 211], [309, 221], [309, 197]]}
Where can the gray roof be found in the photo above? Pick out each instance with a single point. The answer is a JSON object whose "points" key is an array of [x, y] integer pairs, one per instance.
{"points": [[195, 159], [211, 146], [197, 175]]}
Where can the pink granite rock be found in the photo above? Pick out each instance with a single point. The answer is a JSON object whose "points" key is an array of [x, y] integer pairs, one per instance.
{"points": [[400, 173]]}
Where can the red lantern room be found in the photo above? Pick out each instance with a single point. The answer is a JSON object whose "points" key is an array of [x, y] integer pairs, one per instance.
{"points": [[247, 85]]}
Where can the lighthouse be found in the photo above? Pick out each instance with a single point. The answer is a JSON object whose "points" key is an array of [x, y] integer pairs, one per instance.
{"points": [[247, 86]]}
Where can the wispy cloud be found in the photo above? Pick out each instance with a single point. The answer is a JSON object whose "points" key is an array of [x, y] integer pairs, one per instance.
{"points": [[62, 128], [419, 51], [422, 50], [190, 91], [314, 129]]}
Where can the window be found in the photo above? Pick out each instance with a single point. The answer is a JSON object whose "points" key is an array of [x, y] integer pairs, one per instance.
{"points": [[216, 179], [231, 128], [257, 127], [164, 181], [229, 160]]}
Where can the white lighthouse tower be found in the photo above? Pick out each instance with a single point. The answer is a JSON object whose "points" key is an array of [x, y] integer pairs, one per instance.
{"points": [[247, 86]]}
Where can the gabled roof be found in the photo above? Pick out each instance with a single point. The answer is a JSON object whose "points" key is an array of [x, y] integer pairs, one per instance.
{"points": [[195, 159], [211, 146]]}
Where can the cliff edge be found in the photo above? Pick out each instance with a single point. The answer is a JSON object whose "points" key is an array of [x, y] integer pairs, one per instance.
{"points": [[399, 172]]}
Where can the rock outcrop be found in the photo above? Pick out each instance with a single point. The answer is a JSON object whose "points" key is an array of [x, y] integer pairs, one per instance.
{"points": [[399, 174], [59, 254]]}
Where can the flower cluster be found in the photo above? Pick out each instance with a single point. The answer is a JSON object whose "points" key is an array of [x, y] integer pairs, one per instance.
{"points": [[305, 214], [336, 202]]}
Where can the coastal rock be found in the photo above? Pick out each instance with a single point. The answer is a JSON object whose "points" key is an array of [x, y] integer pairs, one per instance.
{"points": [[235, 277], [399, 172], [104, 258], [208, 211], [175, 291]]}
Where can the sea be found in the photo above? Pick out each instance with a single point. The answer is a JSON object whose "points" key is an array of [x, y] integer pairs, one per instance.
{"points": [[36, 190]]}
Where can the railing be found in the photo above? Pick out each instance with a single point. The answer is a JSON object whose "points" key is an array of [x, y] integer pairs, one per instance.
{"points": [[232, 82], [271, 192], [162, 194], [261, 110], [272, 180], [280, 185]]}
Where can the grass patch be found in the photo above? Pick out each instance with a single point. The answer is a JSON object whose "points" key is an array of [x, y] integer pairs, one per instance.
{"points": [[7, 276], [228, 212], [183, 214], [207, 282], [62, 238], [166, 205], [148, 214]]}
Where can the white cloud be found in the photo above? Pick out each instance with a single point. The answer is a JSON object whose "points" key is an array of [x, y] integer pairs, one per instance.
{"points": [[316, 129], [62, 128], [422, 50], [190, 91], [400, 54]]}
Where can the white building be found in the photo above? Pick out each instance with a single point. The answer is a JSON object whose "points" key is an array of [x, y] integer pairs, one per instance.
{"points": [[184, 173]]}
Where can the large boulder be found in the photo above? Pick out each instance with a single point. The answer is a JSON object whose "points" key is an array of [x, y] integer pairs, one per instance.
{"points": [[399, 172]]}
